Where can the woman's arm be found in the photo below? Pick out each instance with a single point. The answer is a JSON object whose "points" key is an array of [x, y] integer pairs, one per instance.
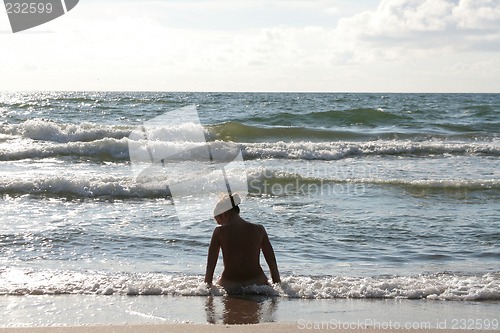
{"points": [[268, 251], [213, 255]]}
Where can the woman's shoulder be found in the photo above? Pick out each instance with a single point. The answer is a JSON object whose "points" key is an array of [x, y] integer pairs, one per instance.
{"points": [[257, 226]]}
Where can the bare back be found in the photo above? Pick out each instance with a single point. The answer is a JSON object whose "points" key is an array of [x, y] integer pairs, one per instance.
{"points": [[241, 243]]}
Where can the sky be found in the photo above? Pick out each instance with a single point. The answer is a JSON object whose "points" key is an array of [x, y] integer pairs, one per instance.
{"points": [[259, 45]]}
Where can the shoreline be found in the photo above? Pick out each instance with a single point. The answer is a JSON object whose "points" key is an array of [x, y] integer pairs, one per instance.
{"points": [[80, 311], [202, 328]]}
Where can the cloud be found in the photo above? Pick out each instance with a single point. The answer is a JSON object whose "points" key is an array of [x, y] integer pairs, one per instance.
{"points": [[259, 45], [466, 25], [482, 15], [233, 15]]}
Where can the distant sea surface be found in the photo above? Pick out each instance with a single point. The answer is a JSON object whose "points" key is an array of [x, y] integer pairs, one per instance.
{"points": [[363, 195]]}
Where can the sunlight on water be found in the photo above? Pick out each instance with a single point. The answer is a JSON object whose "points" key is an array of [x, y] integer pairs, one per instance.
{"points": [[363, 196]]}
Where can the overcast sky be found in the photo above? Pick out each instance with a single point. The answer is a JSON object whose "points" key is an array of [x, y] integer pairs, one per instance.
{"points": [[259, 45]]}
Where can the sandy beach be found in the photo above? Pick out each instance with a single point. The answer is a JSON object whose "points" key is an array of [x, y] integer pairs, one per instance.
{"points": [[305, 315], [195, 328]]}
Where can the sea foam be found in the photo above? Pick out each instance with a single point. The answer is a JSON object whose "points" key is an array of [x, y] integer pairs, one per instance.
{"points": [[440, 286], [117, 149], [261, 181], [39, 138]]}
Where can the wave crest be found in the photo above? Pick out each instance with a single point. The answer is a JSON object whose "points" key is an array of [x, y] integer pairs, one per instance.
{"points": [[38, 129], [45, 139], [440, 286]]}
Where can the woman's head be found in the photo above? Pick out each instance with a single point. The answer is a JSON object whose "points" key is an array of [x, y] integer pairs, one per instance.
{"points": [[227, 204]]}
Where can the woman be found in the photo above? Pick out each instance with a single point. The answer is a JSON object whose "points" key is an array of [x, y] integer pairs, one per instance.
{"points": [[241, 242]]}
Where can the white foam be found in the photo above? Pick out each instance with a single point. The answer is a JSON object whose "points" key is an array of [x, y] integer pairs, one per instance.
{"points": [[443, 286], [43, 130], [261, 179], [107, 148], [81, 186], [436, 286], [49, 139], [339, 150], [155, 185]]}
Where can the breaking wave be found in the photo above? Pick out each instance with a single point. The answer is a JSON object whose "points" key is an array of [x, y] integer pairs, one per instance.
{"points": [[35, 139], [260, 182], [439, 286]]}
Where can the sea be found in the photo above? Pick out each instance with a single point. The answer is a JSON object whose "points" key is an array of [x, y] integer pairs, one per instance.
{"points": [[373, 203]]}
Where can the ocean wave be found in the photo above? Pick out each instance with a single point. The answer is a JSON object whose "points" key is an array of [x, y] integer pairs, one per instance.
{"points": [[82, 187], [267, 132], [46, 139], [260, 181], [369, 117], [277, 183], [44, 130], [339, 150], [440, 286], [107, 149], [111, 149], [263, 181], [51, 131], [234, 131]]}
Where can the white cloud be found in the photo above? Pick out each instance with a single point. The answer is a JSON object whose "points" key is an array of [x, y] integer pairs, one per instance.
{"points": [[478, 15], [425, 24], [259, 45]]}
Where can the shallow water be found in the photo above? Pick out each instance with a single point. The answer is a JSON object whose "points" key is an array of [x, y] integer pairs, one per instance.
{"points": [[363, 195]]}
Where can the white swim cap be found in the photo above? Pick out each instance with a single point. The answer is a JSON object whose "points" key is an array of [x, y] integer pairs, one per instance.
{"points": [[227, 202]]}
